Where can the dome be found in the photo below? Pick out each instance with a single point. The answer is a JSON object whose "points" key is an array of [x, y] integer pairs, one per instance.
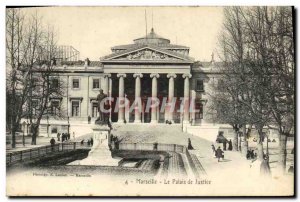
{"points": [[152, 38]]}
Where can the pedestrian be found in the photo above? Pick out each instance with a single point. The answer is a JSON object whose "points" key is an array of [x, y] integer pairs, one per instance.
{"points": [[190, 147], [230, 145], [265, 167], [214, 150], [116, 141], [52, 142], [62, 137], [58, 136], [219, 154], [252, 155], [224, 144], [69, 136], [155, 146], [248, 156], [89, 119], [92, 141]]}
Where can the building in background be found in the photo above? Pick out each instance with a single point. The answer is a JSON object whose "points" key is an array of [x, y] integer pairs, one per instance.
{"points": [[150, 67]]}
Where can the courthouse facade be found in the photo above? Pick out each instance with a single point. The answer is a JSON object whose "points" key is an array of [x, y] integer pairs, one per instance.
{"points": [[149, 67]]}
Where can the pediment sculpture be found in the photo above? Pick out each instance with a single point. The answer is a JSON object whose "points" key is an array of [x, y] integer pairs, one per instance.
{"points": [[146, 55]]}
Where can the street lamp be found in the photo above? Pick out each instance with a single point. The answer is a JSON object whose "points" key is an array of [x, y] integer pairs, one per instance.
{"points": [[68, 125], [24, 124]]}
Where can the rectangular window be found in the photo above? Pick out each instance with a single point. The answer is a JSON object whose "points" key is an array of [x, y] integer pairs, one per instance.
{"points": [[54, 130], [75, 83], [221, 85], [75, 108], [199, 110], [95, 110], [54, 83], [199, 85], [54, 107], [96, 84]]}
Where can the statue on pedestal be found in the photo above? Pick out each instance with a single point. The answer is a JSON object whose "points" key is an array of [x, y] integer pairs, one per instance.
{"points": [[103, 118]]}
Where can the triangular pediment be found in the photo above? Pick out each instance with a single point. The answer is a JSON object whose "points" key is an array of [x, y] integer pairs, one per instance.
{"points": [[147, 54]]}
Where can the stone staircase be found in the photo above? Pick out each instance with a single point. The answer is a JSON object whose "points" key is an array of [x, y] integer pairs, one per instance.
{"points": [[206, 131], [80, 129], [150, 133]]}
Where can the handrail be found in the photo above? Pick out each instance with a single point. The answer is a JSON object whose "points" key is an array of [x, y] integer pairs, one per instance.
{"points": [[32, 153]]}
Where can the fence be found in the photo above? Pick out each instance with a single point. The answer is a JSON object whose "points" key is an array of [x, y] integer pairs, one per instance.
{"points": [[152, 147], [29, 154], [19, 156]]}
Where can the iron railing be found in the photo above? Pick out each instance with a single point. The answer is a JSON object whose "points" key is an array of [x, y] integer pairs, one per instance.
{"points": [[33, 153]]}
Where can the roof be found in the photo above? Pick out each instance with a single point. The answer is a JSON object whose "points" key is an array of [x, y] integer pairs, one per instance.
{"points": [[80, 63], [138, 47], [152, 35], [152, 38], [162, 46]]}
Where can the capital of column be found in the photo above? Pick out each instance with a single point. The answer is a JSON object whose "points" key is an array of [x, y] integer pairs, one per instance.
{"points": [[154, 75], [121, 75], [171, 75], [186, 76], [107, 75], [138, 75]]}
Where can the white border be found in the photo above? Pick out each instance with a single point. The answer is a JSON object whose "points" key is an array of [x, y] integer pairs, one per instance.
{"points": [[5, 3]]}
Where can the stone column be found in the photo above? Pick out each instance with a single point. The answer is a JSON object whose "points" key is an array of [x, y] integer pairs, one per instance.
{"points": [[171, 95], [106, 84], [154, 97], [138, 101], [109, 94], [121, 113], [186, 103]]}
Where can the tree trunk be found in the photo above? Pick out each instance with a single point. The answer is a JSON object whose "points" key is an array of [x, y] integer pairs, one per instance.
{"points": [[245, 143], [282, 153], [260, 148], [235, 141], [240, 143], [34, 135], [13, 136]]}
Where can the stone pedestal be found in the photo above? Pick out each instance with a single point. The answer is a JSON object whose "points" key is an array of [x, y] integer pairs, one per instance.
{"points": [[100, 154]]}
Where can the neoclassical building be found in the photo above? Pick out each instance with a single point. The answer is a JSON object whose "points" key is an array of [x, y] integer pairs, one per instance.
{"points": [[149, 67]]}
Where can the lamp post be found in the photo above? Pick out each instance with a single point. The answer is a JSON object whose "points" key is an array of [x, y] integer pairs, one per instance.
{"points": [[24, 124], [48, 125], [68, 125]]}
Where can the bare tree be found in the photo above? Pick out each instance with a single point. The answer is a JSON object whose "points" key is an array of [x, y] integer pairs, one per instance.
{"points": [[258, 52], [17, 74], [30, 48]]}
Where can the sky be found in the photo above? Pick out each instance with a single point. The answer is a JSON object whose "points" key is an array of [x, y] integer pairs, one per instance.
{"points": [[94, 30]]}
